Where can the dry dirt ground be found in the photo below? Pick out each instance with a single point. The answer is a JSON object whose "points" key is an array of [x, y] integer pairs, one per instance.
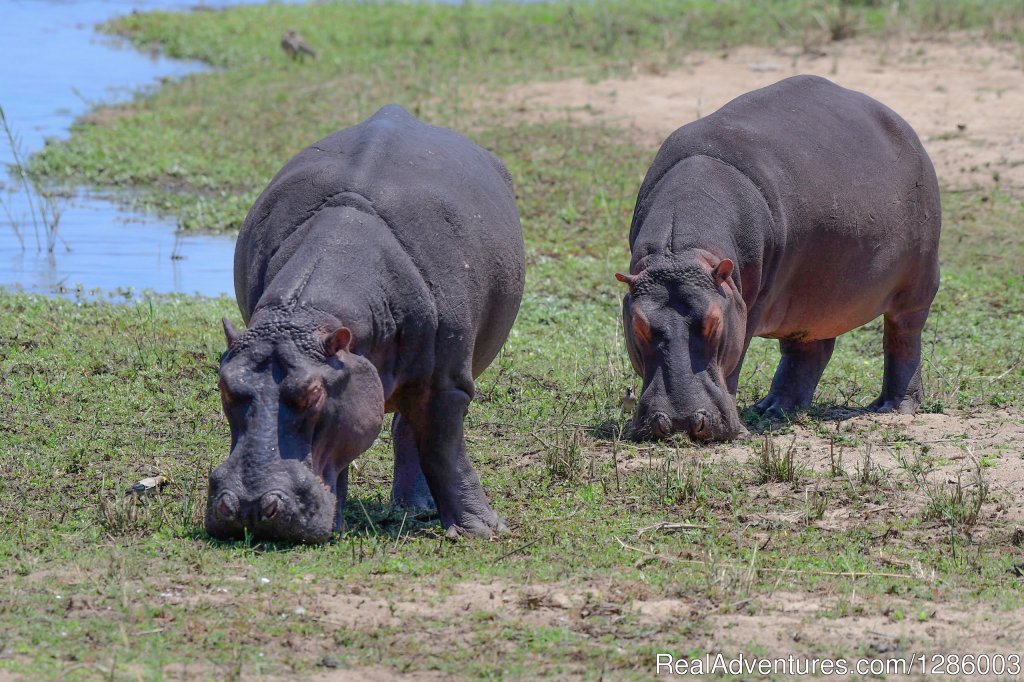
{"points": [[908, 457], [964, 98]]}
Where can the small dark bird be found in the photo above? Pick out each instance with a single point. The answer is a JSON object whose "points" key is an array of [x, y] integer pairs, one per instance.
{"points": [[295, 46]]}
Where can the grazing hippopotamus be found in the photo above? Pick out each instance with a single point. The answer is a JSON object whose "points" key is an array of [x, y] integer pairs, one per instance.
{"points": [[380, 271], [797, 212]]}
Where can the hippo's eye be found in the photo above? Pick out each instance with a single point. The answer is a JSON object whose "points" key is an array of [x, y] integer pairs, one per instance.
{"points": [[641, 327], [225, 394], [232, 396], [712, 326], [307, 397]]}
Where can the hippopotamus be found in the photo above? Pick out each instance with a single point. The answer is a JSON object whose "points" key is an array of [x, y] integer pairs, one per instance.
{"points": [[797, 212], [379, 272]]}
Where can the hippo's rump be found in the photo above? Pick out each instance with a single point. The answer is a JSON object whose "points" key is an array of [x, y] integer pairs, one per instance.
{"points": [[825, 159]]}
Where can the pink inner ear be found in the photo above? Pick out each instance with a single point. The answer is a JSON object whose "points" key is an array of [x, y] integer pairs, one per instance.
{"points": [[723, 270], [339, 340]]}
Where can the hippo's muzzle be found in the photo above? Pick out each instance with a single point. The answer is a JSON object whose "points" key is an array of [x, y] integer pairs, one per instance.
{"points": [[656, 425], [288, 504]]}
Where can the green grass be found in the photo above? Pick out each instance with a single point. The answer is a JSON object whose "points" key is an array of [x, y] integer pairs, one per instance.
{"points": [[95, 396]]}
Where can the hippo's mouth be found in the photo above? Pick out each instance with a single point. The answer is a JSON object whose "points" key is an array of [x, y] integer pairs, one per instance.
{"points": [[288, 503], [702, 427]]}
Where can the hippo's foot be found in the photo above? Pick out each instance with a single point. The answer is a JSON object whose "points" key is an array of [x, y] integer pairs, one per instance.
{"points": [[885, 405], [420, 503], [777, 406], [473, 526], [901, 374]]}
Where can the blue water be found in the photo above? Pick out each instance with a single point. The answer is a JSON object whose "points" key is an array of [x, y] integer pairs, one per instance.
{"points": [[54, 68]]}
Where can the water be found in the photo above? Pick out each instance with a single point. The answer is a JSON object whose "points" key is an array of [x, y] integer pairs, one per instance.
{"points": [[55, 66]]}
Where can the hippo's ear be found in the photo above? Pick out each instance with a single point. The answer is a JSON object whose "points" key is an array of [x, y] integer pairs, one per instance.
{"points": [[626, 279], [230, 333], [722, 270], [338, 340]]}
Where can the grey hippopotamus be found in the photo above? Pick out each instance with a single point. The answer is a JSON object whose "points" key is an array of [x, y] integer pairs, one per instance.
{"points": [[798, 212], [380, 271]]}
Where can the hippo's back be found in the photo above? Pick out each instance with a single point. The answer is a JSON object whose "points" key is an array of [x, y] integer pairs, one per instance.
{"points": [[448, 203], [825, 158]]}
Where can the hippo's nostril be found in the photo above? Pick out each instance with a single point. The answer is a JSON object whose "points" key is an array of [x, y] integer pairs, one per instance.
{"points": [[270, 505], [227, 507], [661, 425], [700, 425]]}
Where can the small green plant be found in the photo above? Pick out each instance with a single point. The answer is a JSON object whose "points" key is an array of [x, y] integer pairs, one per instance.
{"points": [[958, 504], [866, 472], [913, 464], [674, 482], [130, 514], [774, 464], [841, 22], [563, 452], [835, 460], [815, 505]]}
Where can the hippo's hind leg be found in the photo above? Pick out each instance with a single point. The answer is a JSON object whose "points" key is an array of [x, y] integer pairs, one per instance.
{"points": [[901, 377], [437, 423], [797, 376], [410, 489]]}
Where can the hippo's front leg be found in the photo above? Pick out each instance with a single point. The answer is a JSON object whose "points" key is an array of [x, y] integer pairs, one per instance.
{"points": [[410, 489], [461, 502], [797, 376]]}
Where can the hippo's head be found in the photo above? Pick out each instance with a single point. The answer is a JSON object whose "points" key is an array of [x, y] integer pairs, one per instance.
{"points": [[301, 406], [684, 323]]}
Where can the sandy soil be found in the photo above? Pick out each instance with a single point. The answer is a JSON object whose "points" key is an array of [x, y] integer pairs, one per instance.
{"points": [[910, 456], [801, 624], [964, 98]]}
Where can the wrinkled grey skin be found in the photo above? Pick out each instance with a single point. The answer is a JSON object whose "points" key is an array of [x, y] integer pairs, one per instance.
{"points": [[380, 271], [798, 211]]}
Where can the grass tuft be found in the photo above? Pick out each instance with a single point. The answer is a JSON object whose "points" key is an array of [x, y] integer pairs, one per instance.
{"points": [[775, 464], [957, 503]]}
